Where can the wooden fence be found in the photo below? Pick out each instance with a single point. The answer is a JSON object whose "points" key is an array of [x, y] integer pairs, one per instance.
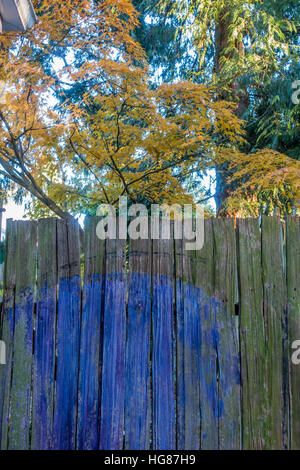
{"points": [[152, 347]]}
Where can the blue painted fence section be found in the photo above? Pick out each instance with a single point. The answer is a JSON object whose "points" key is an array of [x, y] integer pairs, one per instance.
{"points": [[209, 376], [164, 435], [180, 403], [88, 425], [138, 372], [189, 361], [68, 331], [113, 365], [44, 362], [192, 361], [152, 363]]}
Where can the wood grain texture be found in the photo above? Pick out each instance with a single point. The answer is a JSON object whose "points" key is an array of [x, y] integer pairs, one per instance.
{"points": [[90, 350], [293, 299], [180, 369], [19, 429], [163, 361], [275, 304], [138, 373], [68, 335], [7, 329], [204, 278], [44, 351], [160, 366], [252, 336], [188, 351], [114, 340], [227, 337]]}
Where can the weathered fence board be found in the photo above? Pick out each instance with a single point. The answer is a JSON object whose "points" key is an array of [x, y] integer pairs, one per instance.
{"points": [[138, 372], [188, 351], [8, 329], [226, 338], [44, 349], [194, 352], [204, 272], [114, 339], [68, 332], [293, 293], [180, 370], [19, 426], [252, 335], [274, 285], [163, 362], [90, 349]]}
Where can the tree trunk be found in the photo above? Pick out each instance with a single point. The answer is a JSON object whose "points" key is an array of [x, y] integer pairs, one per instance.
{"points": [[241, 97]]}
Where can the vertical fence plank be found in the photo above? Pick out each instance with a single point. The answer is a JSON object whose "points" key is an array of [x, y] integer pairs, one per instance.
{"points": [[252, 336], [274, 285], [163, 363], [180, 370], [44, 358], [114, 338], [89, 376], [293, 292], [138, 378], [7, 330], [227, 340], [23, 336], [204, 260], [68, 332], [44, 351], [188, 351]]}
